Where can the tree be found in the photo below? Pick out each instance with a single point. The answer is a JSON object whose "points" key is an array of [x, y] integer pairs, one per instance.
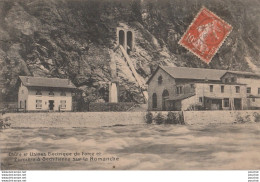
{"points": [[136, 11]]}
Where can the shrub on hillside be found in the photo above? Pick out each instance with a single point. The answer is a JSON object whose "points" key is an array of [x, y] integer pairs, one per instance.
{"points": [[174, 118], [4, 122], [149, 118], [159, 119], [241, 119], [181, 118]]}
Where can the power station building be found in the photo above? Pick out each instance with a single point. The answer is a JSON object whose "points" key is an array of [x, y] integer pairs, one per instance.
{"points": [[182, 88]]}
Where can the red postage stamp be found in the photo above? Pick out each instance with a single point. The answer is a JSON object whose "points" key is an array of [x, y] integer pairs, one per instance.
{"points": [[205, 35]]}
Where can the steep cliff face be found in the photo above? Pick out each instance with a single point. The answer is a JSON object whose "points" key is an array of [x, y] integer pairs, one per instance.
{"points": [[75, 39]]}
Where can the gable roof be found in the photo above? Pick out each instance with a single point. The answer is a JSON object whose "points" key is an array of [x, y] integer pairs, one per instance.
{"points": [[30, 81], [191, 73], [243, 73]]}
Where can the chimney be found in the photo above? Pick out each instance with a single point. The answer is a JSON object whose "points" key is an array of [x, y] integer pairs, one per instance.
{"points": [[27, 79]]}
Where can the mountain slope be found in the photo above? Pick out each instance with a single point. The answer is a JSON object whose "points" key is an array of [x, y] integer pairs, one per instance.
{"points": [[74, 39]]}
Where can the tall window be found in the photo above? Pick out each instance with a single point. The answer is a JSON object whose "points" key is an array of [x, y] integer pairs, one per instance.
{"points": [[233, 79], [237, 89], [21, 104], [226, 102], [160, 80], [63, 104], [154, 100], [248, 90], [211, 88], [38, 92], [222, 88], [51, 93], [165, 96], [63, 93], [226, 80], [200, 99], [38, 104], [179, 90], [259, 91]]}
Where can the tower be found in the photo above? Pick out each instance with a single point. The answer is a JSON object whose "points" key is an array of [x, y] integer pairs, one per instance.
{"points": [[113, 84]]}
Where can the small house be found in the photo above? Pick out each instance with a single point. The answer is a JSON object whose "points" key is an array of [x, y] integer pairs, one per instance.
{"points": [[45, 94]]}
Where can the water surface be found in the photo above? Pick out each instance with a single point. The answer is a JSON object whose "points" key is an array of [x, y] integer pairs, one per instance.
{"points": [[172, 147]]}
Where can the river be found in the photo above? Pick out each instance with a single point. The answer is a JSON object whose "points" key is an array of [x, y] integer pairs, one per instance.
{"points": [[167, 147]]}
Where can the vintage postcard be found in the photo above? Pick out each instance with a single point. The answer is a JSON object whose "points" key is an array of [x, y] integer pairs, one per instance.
{"points": [[129, 85]]}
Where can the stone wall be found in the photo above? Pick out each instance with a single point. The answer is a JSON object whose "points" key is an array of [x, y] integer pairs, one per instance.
{"points": [[219, 117], [99, 119], [75, 119], [214, 117], [107, 106]]}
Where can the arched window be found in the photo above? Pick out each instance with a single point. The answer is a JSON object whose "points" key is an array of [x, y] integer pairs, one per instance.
{"points": [[122, 37], [165, 93], [129, 41], [154, 100], [165, 96], [160, 80]]}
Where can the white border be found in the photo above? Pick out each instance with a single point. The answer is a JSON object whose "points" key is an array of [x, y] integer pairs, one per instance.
{"points": [[135, 176]]}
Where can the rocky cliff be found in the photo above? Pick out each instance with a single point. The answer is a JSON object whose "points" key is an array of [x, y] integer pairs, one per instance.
{"points": [[75, 39]]}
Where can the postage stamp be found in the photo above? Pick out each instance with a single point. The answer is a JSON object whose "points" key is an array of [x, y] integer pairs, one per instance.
{"points": [[205, 35]]}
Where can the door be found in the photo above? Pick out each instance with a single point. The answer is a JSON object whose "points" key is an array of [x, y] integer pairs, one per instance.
{"points": [[51, 105], [216, 104], [175, 105], [237, 104], [165, 96]]}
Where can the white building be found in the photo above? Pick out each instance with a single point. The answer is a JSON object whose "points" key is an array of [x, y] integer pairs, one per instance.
{"points": [[181, 88], [45, 94], [252, 82]]}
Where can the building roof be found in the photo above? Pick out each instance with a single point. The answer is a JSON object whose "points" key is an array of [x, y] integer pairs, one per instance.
{"points": [[253, 96], [192, 73], [219, 83], [30, 81], [182, 97], [243, 73]]}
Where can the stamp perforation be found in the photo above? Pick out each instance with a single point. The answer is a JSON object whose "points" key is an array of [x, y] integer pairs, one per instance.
{"points": [[220, 43]]}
